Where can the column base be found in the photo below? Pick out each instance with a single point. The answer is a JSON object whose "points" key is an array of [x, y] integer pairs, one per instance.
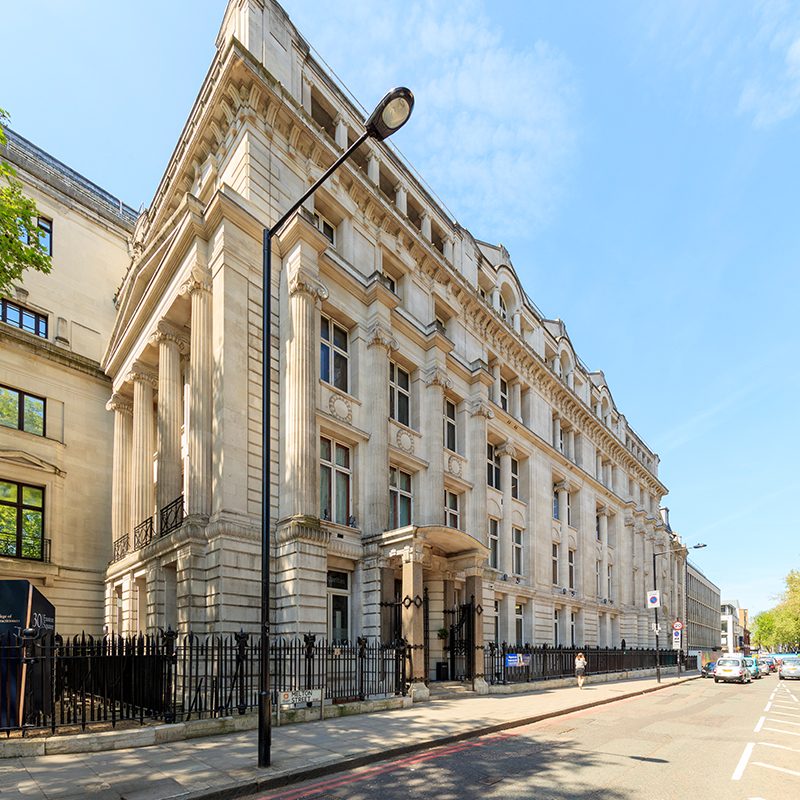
{"points": [[479, 686], [419, 693]]}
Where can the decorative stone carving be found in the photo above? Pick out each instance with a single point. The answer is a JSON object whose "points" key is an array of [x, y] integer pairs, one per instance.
{"points": [[438, 377], [480, 408], [340, 407], [141, 372], [454, 466], [405, 442], [378, 337], [119, 402], [165, 331], [199, 280], [302, 281], [508, 449]]}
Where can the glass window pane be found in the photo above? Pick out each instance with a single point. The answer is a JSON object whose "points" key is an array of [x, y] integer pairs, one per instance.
{"points": [[340, 338], [31, 534], [31, 496], [45, 235], [324, 330], [342, 498], [13, 315], [8, 531], [342, 456], [339, 631], [402, 408], [403, 380], [392, 476], [325, 492], [28, 321], [325, 449], [339, 371], [405, 511], [34, 416], [8, 492], [405, 482], [9, 408], [325, 363]]}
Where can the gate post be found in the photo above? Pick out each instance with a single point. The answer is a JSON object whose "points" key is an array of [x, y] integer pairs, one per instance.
{"points": [[474, 588]]}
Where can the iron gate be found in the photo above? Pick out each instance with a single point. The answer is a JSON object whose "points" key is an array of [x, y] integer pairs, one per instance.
{"points": [[461, 642], [395, 608]]}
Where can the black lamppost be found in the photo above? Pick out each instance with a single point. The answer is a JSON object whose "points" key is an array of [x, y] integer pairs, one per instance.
{"points": [[389, 116], [655, 608]]}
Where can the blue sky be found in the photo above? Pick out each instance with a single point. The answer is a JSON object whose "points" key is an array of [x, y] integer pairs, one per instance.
{"points": [[640, 162]]}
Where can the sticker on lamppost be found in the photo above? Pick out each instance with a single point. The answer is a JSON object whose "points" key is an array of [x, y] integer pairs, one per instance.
{"points": [[654, 599]]}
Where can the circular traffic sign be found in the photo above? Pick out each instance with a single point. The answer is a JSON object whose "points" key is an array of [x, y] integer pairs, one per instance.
{"points": [[676, 626]]}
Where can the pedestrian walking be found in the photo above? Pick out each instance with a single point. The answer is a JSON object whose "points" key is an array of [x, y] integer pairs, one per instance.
{"points": [[580, 669]]}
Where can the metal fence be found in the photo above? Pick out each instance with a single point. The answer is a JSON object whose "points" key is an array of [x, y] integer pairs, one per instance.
{"points": [[523, 664], [53, 683]]}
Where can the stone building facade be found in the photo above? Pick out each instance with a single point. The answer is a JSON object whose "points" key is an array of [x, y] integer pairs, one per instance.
{"points": [[55, 432], [703, 619], [434, 434]]}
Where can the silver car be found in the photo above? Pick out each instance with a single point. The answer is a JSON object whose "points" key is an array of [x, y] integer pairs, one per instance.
{"points": [[789, 668], [732, 668]]}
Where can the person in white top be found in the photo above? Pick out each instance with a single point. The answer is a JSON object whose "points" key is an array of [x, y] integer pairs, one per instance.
{"points": [[580, 669]]}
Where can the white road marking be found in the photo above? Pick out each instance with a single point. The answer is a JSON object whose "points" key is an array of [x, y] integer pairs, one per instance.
{"points": [[781, 746], [786, 714], [784, 721], [768, 706], [760, 723], [786, 733], [778, 769], [739, 771]]}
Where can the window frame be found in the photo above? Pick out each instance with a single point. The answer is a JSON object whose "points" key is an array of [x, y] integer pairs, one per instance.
{"points": [[40, 321], [556, 509], [493, 477], [335, 591], [503, 394], [327, 366], [21, 397], [451, 513], [517, 553], [571, 568], [20, 506], [334, 470], [450, 426], [515, 478], [398, 392], [556, 557], [494, 542], [398, 493], [519, 623]]}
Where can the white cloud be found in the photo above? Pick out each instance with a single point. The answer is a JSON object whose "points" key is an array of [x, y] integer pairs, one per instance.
{"points": [[494, 129]]}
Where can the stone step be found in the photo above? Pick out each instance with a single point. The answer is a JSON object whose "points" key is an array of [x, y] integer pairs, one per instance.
{"points": [[448, 690]]}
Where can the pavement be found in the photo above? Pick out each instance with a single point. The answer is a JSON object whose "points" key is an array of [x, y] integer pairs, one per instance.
{"points": [[224, 767]]}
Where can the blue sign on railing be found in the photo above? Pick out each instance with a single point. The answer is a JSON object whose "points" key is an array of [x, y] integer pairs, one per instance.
{"points": [[518, 659]]}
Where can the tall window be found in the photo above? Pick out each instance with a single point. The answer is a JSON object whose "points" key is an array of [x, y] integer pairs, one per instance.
{"points": [[555, 504], [597, 527], [22, 318], [569, 509], [399, 394], [503, 307], [335, 476], [21, 520], [572, 628], [517, 543], [571, 560], [518, 624], [399, 498], [555, 564], [334, 356], [609, 595], [492, 466], [503, 394], [22, 411], [555, 627], [597, 574], [45, 235], [494, 542], [451, 509], [515, 478], [338, 602], [450, 425]]}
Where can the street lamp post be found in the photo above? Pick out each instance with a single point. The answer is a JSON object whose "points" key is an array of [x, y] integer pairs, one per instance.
{"points": [[655, 608], [389, 116]]}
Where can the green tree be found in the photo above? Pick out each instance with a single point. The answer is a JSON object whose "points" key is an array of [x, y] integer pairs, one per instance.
{"points": [[20, 247], [779, 628]]}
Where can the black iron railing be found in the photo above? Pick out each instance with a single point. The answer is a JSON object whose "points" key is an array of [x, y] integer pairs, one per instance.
{"points": [[523, 664], [120, 548], [143, 534], [171, 517], [85, 682]]}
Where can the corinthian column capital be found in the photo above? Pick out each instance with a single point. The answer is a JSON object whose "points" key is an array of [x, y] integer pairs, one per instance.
{"points": [[438, 377], [302, 281], [199, 280], [119, 402], [480, 408], [141, 372], [378, 337], [166, 332]]}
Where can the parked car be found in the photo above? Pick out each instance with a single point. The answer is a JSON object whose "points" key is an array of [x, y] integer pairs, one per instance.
{"points": [[771, 663], [790, 668], [752, 665], [707, 670], [764, 665], [732, 668]]}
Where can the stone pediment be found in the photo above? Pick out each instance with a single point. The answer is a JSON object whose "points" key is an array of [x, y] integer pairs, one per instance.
{"points": [[18, 458]]}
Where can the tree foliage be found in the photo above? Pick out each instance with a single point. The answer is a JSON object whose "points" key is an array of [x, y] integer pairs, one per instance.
{"points": [[779, 628], [20, 246]]}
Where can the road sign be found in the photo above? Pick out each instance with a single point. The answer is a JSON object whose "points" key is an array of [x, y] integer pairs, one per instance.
{"points": [[301, 696], [677, 626], [676, 640], [654, 599]]}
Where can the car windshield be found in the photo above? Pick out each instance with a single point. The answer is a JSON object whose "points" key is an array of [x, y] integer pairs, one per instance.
{"points": [[791, 662], [728, 662]]}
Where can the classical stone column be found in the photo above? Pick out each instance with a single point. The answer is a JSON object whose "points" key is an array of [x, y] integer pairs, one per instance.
{"points": [[604, 513], [373, 167], [432, 411], [121, 476], [401, 199], [340, 131], [506, 451], [144, 382], [516, 400], [557, 432], [300, 476], [413, 619], [379, 343], [598, 468], [479, 413], [200, 395], [564, 488], [570, 445], [170, 412], [494, 395]]}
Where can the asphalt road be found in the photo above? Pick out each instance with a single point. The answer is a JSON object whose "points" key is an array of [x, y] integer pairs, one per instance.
{"points": [[698, 740]]}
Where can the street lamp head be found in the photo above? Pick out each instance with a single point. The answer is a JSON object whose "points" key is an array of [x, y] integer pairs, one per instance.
{"points": [[698, 546], [390, 114]]}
